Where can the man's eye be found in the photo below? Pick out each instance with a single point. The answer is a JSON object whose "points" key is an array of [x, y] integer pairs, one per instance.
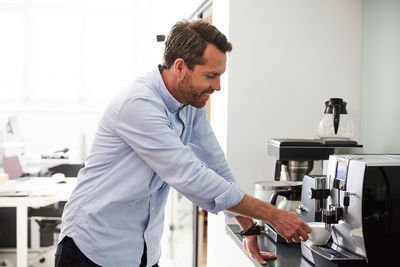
{"points": [[210, 76]]}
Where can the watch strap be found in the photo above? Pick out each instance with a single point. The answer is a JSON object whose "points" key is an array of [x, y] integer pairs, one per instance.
{"points": [[253, 230]]}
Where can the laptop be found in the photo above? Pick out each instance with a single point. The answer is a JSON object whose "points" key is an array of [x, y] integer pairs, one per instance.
{"points": [[13, 167]]}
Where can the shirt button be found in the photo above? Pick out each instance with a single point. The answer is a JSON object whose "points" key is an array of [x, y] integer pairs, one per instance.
{"points": [[152, 208]]}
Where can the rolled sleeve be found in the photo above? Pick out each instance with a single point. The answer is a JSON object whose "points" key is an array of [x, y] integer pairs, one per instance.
{"points": [[228, 199]]}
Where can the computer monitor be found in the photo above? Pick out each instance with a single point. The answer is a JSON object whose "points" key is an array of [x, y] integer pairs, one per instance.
{"points": [[13, 131], [11, 141]]}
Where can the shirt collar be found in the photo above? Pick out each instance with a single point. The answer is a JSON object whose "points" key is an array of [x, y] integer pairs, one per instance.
{"points": [[172, 104]]}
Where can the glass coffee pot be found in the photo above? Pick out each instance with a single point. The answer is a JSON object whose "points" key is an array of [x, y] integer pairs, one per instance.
{"points": [[336, 123]]}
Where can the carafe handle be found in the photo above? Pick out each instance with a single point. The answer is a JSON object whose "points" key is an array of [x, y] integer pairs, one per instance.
{"points": [[336, 117], [275, 195]]}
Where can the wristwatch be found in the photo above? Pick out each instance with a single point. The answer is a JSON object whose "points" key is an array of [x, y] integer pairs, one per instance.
{"points": [[254, 230]]}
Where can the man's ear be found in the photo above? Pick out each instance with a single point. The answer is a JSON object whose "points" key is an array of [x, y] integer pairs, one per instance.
{"points": [[179, 67]]}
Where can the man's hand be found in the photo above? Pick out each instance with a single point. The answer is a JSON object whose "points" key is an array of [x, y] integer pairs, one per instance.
{"points": [[250, 245], [287, 224], [290, 226]]}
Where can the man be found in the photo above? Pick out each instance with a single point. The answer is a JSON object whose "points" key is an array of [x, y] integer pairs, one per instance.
{"points": [[152, 136]]}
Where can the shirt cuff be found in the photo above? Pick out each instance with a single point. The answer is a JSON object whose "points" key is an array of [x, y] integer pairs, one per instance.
{"points": [[229, 214], [228, 199]]}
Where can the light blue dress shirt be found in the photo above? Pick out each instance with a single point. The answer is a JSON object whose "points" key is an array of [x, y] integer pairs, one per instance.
{"points": [[146, 142]]}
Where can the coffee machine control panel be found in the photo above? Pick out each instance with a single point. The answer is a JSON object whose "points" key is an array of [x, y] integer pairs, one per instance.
{"points": [[340, 178], [338, 208]]}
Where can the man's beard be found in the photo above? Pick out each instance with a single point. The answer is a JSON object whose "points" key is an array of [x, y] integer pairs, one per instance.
{"points": [[189, 94]]}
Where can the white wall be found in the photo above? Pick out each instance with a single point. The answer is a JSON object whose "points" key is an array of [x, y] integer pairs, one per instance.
{"points": [[380, 107], [288, 58]]}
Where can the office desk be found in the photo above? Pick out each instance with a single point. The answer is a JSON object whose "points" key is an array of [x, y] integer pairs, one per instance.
{"points": [[40, 192]]}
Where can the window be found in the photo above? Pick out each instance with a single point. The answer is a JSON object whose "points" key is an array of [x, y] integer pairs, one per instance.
{"points": [[75, 51]]}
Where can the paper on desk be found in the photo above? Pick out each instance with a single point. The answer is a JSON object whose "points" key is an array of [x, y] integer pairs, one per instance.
{"points": [[38, 187], [7, 187]]}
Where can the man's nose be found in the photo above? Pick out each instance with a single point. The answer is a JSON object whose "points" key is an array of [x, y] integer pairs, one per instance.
{"points": [[216, 85]]}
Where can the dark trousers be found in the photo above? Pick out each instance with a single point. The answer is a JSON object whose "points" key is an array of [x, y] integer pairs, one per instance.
{"points": [[69, 255]]}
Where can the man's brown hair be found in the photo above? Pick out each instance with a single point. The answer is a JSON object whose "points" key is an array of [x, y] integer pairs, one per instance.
{"points": [[188, 40]]}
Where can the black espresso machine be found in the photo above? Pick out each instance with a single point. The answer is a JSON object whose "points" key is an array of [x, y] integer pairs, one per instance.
{"points": [[359, 201]]}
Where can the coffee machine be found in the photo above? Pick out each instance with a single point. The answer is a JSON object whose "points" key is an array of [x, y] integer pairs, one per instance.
{"points": [[296, 158], [359, 201]]}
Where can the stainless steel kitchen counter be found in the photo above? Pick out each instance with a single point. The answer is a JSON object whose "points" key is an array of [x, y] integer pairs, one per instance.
{"points": [[289, 255]]}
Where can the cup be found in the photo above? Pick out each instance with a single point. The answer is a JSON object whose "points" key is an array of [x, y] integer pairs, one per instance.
{"points": [[319, 234]]}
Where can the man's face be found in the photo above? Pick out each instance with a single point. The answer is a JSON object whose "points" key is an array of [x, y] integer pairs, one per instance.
{"points": [[196, 86]]}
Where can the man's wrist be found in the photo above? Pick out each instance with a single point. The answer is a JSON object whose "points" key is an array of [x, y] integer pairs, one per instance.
{"points": [[253, 230]]}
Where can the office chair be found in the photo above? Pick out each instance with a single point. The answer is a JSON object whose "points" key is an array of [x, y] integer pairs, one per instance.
{"points": [[69, 170]]}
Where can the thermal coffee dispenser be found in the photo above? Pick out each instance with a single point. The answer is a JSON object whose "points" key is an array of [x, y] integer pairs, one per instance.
{"points": [[296, 158], [359, 201]]}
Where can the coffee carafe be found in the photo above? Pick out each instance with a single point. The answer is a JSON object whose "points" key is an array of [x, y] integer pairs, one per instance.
{"points": [[268, 191], [336, 124], [285, 195], [291, 196]]}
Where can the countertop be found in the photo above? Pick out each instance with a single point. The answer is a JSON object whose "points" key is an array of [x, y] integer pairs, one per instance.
{"points": [[289, 255]]}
